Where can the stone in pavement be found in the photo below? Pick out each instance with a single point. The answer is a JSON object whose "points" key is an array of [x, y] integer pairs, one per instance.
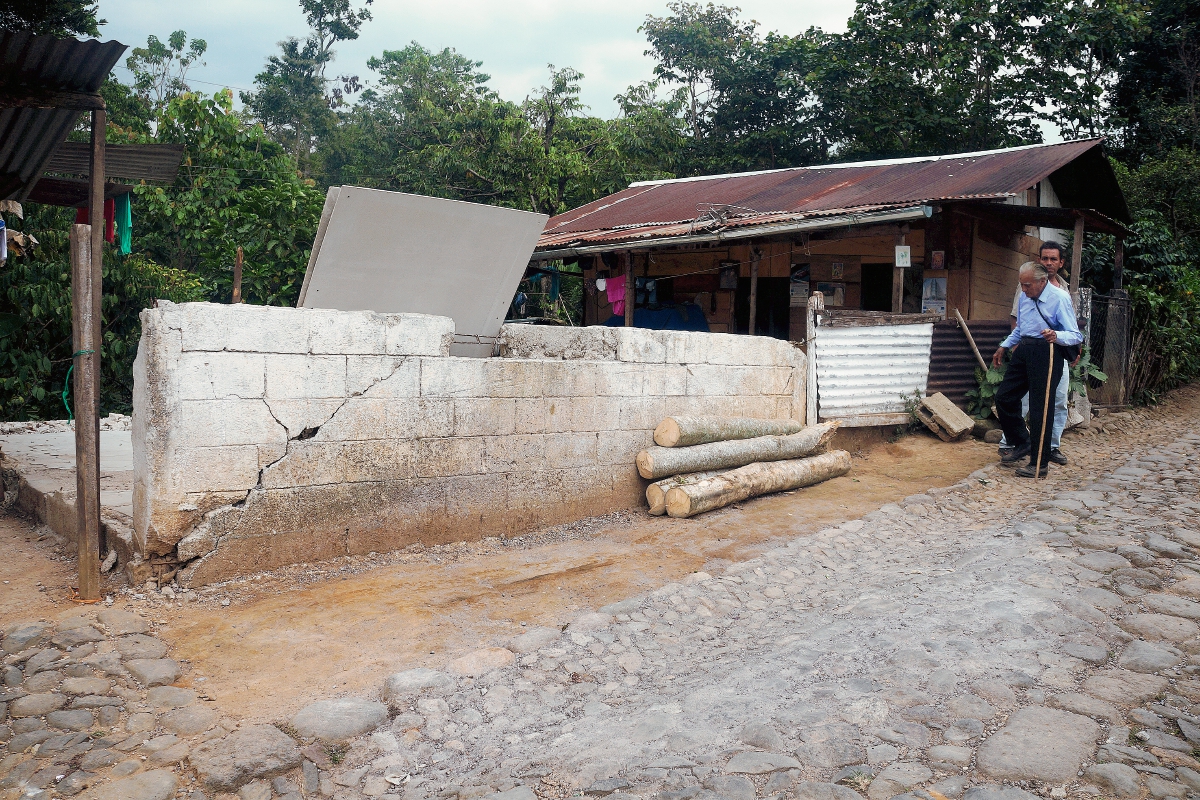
{"points": [[170, 697], [153, 671], [1038, 744], [77, 636], [190, 720], [98, 759], [1169, 604], [897, 779], [993, 792], [255, 790], [534, 639], [809, 790], [761, 734], [1120, 779], [1100, 561], [1093, 654], [516, 793], [401, 685], [158, 784], [36, 705], [1160, 788], [1086, 705], [70, 720], [482, 661], [1123, 686], [969, 706], [1158, 627], [257, 751], [86, 686], [751, 762], [1144, 657], [590, 621], [120, 623], [732, 787], [949, 755], [139, 646], [909, 734], [831, 746], [24, 636], [339, 720]]}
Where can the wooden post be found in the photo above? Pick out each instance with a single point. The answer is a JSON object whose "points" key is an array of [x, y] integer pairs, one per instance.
{"points": [[630, 296], [898, 284], [1076, 261], [1119, 263], [87, 253], [754, 257], [237, 278]]}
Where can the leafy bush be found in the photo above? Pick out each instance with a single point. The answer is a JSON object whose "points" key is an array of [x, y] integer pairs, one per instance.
{"points": [[981, 399]]}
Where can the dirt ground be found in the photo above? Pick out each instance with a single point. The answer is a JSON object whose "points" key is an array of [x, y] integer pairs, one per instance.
{"points": [[343, 626]]}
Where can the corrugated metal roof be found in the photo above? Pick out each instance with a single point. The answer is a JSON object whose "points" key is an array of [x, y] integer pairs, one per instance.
{"points": [[870, 369], [670, 208], [139, 162], [951, 362], [32, 65]]}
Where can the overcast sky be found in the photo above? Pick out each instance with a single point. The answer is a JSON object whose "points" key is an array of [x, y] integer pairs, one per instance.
{"points": [[515, 39]]}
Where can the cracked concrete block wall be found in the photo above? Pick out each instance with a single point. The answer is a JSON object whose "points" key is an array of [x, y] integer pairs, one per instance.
{"points": [[269, 436]]}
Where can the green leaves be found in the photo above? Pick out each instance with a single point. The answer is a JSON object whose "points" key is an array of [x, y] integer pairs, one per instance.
{"points": [[981, 399]]}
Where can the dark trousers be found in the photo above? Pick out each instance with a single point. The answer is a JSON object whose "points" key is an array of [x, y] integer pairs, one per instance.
{"points": [[1027, 372]]}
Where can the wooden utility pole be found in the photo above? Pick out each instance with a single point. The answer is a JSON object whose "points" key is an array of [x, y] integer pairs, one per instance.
{"points": [[898, 283], [1076, 261], [87, 262], [630, 296], [1119, 263], [237, 277], [755, 255]]}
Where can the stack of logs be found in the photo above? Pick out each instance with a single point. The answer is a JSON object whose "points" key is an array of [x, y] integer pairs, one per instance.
{"points": [[703, 463]]}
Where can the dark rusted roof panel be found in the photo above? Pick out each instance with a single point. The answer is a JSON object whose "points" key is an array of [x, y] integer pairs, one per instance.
{"points": [[951, 362], [138, 162], [757, 198], [71, 192], [30, 65]]}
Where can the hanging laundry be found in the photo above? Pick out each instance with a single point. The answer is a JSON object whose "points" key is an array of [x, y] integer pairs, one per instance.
{"points": [[124, 219], [83, 217], [3, 242], [616, 293]]}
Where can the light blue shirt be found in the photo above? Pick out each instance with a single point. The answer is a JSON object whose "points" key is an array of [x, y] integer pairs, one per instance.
{"points": [[1055, 305]]}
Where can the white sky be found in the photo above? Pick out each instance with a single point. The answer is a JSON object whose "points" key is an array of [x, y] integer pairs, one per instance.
{"points": [[515, 39]]}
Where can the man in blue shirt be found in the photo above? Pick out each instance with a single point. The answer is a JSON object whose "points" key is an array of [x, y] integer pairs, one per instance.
{"points": [[1045, 324]]}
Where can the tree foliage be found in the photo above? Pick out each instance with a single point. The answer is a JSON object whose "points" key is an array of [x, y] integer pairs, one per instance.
{"points": [[51, 17]]}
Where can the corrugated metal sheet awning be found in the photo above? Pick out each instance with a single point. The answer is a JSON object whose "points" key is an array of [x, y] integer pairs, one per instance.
{"points": [[137, 162], [952, 364], [45, 82]]}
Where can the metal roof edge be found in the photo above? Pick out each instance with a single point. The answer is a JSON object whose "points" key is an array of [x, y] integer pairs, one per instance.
{"points": [[879, 163]]}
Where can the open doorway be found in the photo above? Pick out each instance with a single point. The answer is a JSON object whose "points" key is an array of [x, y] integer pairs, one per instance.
{"points": [[773, 304], [877, 287]]}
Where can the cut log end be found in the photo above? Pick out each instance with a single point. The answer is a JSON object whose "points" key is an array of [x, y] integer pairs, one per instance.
{"points": [[645, 465], [657, 498], [667, 433]]}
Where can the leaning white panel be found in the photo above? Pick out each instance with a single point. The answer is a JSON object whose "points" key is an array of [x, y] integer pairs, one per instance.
{"points": [[394, 252]]}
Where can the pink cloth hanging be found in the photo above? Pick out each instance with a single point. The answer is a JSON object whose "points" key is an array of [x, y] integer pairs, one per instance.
{"points": [[615, 287]]}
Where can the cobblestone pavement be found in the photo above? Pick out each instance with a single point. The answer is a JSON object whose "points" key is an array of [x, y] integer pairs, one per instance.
{"points": [[988, 641]]}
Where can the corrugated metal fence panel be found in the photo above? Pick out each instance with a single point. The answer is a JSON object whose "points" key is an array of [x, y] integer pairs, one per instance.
{"points": [[951, 362], [870, 369]]}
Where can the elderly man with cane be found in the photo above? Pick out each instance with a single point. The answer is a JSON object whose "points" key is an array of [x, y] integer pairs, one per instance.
{"points": [[1045, 339]]}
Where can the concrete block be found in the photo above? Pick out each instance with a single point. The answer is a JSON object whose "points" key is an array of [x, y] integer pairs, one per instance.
{"points": [[569, 378], [307, 463], [683, 347], [239, 328], [720, 380], [377, 460], [522, 454], [619, 379], [440, 458], [530, 415], [417, 334], [216, 469], [665, 380], [383, 376], [295, 377], [484, 416], [301, 415], [638, 345], [471, 502], [577, 414], [216, 376], [642, 413], [345, 332], [212, 423], [593, 343], [511, 377], [622, 447], [352, 419], [564, 450], [454, 377], [420, 419]]}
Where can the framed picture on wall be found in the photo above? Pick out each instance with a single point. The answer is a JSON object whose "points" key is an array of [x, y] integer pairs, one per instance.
{"points": [[800, 275], [729, 274], [835, 293]]}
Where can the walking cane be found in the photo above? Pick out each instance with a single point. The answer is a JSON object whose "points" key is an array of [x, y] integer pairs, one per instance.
{"points": [[1037, 468]]}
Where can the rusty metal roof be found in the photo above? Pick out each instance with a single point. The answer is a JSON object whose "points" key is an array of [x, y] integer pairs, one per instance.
{"points": [[659, 209], [139, 162], [39, 67]]}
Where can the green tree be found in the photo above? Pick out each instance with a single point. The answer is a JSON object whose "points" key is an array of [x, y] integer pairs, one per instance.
{"points": [[160, 68], [52, 17]]}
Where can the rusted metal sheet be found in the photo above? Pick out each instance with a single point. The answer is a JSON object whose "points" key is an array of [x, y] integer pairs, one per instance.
{"points": [[31, 65], [951, 362], [676, 207], [138, 162], [867, 371]]}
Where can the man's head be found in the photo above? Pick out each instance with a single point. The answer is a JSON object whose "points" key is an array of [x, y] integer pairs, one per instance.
{"points": [[1051, 257], [1033, 278]]}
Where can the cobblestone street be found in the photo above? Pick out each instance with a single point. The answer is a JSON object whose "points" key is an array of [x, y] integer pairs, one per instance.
{"points": [[996, 637]]}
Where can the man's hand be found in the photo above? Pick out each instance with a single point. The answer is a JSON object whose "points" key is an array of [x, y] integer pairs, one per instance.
{"points": [[998, 357], [1050, 335]]}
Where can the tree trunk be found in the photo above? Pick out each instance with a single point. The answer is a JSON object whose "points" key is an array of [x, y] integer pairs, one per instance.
{"points": [[687, 431], [659, 462], [656, 493], [753, 480]]}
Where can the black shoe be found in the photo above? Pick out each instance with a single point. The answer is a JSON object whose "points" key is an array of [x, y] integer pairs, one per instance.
{"points": [[1011, 458], [1005, 450], [1057, 457], [1027, 471]]}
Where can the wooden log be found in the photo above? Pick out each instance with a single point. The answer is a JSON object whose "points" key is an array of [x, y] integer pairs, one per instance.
{"points": [[688, 431], [654, 463], [656, 493], [754, 480]]}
